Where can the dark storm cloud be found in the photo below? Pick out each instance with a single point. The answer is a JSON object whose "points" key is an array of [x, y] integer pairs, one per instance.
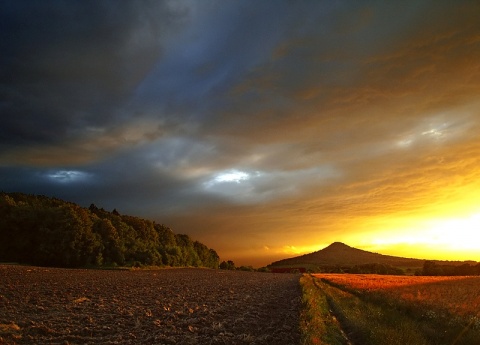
{"points": [[69, 65], [223, 41]]}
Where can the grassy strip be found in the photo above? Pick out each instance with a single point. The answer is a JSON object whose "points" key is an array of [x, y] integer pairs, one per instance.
{"points": [[368, 323], [316, 322], [435, 326]]}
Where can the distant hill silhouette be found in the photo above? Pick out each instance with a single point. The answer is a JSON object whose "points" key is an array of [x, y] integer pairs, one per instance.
{"points": [[340, 254]]}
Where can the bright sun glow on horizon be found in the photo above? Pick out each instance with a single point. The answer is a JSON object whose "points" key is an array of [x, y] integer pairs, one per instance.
{"points": [[454, 238], [438, 231]]}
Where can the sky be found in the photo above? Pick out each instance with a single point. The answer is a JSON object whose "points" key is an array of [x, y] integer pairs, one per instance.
{"points": [[263, 129]]}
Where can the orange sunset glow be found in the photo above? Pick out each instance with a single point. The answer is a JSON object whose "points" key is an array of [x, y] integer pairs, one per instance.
{"points": [[265, 130]]}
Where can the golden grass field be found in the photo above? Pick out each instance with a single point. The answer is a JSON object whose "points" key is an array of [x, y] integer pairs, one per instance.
{"points": [[382, 309], [457, 295]]}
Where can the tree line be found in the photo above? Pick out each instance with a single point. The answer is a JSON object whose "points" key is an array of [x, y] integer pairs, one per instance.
{"points": [[45, 231], [431, 268]]}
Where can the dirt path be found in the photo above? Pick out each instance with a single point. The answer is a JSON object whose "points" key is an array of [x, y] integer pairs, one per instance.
{"points": [[172, 306]]}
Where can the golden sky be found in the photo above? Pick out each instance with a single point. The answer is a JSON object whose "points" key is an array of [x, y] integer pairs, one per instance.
{"points": [[264, 130]]}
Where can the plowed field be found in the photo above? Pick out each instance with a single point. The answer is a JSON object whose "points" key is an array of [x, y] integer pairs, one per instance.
{"points": [[171, 306]]}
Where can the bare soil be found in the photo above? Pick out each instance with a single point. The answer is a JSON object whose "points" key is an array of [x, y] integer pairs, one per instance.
{"points": [[170, 306]]}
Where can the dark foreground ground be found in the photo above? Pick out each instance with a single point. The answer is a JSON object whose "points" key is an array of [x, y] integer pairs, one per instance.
{"points": [[171, 306]]}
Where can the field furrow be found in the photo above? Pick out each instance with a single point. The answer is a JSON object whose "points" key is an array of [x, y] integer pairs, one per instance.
{"points": [[170, 306]]}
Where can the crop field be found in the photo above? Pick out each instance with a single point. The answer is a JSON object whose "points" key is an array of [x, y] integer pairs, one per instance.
{"points": [[456, 295], [205, 306], [377, 309], [167, 306]]}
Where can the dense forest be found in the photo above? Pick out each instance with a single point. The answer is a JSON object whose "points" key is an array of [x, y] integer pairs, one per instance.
{"points": [[45, 231]]}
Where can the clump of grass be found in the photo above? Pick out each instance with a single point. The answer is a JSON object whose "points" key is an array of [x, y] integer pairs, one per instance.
{"points": [[80, 300], [317, 324], [9, 328]]}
